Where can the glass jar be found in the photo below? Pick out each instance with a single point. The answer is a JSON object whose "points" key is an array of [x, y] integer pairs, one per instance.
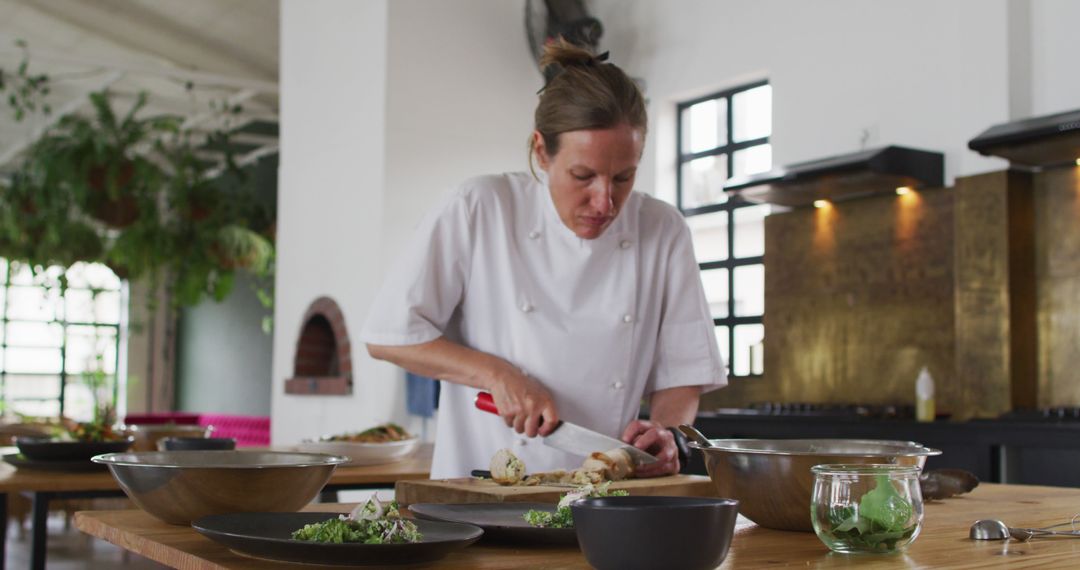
{"points": [[866, 508]]}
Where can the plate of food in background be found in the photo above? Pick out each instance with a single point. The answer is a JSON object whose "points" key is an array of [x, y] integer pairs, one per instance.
{"points": [[69, 448], [386, 443]]}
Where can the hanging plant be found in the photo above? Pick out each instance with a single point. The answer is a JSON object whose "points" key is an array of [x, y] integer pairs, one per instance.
{"points": [[102, 160], [130, 190], [37, 228]]}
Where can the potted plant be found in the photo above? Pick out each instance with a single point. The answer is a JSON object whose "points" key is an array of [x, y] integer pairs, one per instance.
{"points": [[131, 190], [36, 226], [103, 159]]}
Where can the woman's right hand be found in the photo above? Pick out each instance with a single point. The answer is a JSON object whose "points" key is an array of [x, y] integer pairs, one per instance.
{"points": [[523, 402]]}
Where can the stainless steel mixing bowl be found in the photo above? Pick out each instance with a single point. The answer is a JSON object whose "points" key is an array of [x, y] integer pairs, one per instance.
{"points": [[181, 486], [771, 478]]}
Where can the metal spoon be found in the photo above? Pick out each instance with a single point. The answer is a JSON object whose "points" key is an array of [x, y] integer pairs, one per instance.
{"points": [[692, 433], [989, 529], [993, 529]]}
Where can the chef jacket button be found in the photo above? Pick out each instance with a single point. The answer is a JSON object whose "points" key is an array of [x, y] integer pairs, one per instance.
{"points": [[522, 442], [627, 319], [526, 308], [534, 235], [624, 244], [617, 385]]}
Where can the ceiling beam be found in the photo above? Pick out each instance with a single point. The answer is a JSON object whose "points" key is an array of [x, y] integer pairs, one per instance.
{"points": [[72, 105], [197, 77], [145, 31]]}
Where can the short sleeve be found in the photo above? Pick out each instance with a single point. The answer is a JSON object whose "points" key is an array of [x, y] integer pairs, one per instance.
{"points": [[687, 353], [423, 289]]}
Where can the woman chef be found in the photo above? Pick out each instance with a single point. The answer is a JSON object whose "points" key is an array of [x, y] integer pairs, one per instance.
{"points": [[565, 294]]}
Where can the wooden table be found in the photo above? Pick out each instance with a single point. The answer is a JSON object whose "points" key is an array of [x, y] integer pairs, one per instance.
{"points": [[45, 486], [944, 542]]}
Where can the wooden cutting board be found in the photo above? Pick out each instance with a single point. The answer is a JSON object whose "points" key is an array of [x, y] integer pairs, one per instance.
{"points": [[473, 490]]}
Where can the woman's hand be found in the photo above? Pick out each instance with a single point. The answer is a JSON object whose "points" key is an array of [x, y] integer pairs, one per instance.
{"points": [[524, 403], [653, 438]]}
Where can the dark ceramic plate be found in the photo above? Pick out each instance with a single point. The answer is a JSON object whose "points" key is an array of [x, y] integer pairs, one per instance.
{"points": [[501, 522], [21, 462], [198, 443], [267, 536], [43, 449]]}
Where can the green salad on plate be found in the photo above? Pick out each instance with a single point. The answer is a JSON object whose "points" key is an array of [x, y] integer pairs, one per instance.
{"points": [[374, 522]]}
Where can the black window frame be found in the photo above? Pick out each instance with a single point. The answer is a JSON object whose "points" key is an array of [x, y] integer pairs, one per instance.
{"points": [[734, 202], [65, 378]]}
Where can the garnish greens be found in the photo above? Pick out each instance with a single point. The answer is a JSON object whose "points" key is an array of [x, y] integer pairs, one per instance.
{"points": [[563, 517], [371, 523], [878, 523]]}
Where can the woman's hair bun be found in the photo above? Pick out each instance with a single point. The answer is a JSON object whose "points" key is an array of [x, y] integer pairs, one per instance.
{"points": [[563, 54]]}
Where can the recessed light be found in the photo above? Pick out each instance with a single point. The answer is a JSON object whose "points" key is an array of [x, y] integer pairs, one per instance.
{"points": [[820, 203], [903, 190]]}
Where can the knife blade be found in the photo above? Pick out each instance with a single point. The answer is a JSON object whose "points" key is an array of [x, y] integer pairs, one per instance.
{"points": [[574, 438]]}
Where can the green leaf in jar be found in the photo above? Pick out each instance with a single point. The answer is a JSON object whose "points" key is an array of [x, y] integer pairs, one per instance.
{"points": [[885, 507]]}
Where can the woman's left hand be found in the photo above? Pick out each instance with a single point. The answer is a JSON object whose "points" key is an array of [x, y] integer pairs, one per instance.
{"points": [[655, 439]]}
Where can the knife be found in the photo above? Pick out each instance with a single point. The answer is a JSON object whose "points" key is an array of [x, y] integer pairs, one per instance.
{"points": [[574, 438]]}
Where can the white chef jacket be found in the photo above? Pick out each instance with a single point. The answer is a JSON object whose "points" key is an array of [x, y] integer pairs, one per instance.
{"points": [[600, 323]]}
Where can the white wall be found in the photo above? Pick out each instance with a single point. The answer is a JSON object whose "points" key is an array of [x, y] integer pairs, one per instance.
{"points": [[1055, 47], [462, 89], [385, 107], [919, 73], [333, 109]]}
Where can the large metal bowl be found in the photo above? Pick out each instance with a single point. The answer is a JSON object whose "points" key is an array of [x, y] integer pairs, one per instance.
{"points": [[771, 478], [181, 486]]}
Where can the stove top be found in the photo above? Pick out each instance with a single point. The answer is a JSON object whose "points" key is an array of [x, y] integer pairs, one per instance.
{"points": [[806, 409], [1051, 414]]}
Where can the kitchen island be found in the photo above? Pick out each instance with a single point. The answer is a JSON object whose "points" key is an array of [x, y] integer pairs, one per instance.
{"points": [[944, 542]]}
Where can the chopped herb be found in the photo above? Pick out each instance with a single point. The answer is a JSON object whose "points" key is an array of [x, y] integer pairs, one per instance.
{"points": [[562, 517], [371, 523]]}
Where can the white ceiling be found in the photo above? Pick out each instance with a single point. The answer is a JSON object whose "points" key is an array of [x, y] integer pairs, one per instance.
{"points": [[225, 50]]}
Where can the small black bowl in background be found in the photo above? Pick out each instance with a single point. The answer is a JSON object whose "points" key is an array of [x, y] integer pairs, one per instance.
{"points": [[198, 443], [46, 449], [673, 533]]}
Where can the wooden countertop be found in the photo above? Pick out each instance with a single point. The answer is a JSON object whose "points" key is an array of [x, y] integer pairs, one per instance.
{"points": [[943, 543], [18, 480]]}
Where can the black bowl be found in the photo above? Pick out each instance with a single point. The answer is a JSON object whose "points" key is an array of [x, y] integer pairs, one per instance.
{"points": [[45, 449], [629, 533], [198, 443]]}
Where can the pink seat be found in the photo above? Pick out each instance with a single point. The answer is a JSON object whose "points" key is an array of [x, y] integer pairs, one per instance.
{"points": [[249, 431]]}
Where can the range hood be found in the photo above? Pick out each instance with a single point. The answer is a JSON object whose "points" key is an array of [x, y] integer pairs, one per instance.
{"points": [[844, 177], [1050, 140]]}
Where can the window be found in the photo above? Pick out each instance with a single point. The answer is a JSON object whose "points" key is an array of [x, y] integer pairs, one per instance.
{"points": [[720, 136], [54, 327]]}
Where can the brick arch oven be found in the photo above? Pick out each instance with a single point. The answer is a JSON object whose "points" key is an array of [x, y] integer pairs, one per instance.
{"points": [[323, 361]]}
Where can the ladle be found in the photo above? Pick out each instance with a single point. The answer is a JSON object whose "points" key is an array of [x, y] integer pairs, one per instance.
{"points": [[695, 435], [993, 529]]}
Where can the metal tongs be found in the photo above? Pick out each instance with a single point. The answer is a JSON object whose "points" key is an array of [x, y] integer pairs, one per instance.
{"points": [[993, 529]]}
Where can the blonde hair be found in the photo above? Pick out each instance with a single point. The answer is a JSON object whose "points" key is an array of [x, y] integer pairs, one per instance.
{"points": [[585, 93]]}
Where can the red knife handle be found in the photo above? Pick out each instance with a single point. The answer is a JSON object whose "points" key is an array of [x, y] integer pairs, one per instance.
{"points": [[485, 402]]}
